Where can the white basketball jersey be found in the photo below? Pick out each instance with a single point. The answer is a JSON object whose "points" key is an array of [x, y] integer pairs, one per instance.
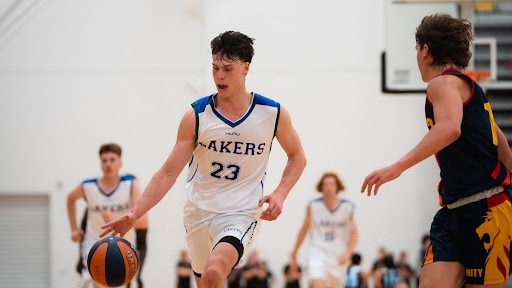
{"points": [[329, 230], [118, 202], [229, 163]]}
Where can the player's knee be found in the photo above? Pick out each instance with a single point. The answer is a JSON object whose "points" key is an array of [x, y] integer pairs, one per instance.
{"points": [[212, 276]]}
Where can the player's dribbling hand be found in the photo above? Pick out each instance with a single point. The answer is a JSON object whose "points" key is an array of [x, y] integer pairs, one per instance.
{"points": [[119, 226], [274, 208]]}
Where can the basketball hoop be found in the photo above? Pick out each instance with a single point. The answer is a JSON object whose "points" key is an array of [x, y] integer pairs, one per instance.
{"points": [[482, 77], [478, 75]]}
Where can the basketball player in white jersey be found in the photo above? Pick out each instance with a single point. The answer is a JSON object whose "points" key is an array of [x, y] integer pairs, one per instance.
{"points": [[332, 235], [226, 140], [106, 198]]}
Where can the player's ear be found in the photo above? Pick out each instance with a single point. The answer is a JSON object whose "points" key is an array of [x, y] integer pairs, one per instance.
{"points": [[247, 65], [424, 49]]}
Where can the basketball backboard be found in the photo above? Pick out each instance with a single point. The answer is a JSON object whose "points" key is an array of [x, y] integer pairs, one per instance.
{"points": [[399, 68]]}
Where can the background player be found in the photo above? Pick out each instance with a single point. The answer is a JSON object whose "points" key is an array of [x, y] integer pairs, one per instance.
{"points": [[106, 197], [329, 222]]}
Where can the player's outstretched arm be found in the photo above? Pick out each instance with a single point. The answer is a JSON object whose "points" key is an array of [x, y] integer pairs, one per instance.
{"points": [[291, 144], [445, 94], [163, 179]]}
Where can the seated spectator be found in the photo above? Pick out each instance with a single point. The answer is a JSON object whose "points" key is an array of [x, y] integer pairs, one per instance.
{"points": [[234, 278], [183, 270], [292, 276], [405, 270], [387, 276], [356, 277], [255, 273]]}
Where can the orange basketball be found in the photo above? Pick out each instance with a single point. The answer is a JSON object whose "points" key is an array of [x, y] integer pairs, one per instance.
{"points": [[112, 261]]}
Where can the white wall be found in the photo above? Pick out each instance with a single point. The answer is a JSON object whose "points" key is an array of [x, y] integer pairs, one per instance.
{"points": [[75, 74]]}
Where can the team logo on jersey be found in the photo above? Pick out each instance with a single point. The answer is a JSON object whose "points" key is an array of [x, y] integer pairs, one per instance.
{"points": [[234, 147], [111, 208], [332, 223]]}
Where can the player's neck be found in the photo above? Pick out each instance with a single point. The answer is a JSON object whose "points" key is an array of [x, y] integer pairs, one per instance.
{"points": [[436, 71], [331, 199], [233, 107], [109, 182]]}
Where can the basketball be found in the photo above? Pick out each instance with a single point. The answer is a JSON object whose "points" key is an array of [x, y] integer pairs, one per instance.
{"points": [[112, 261]]}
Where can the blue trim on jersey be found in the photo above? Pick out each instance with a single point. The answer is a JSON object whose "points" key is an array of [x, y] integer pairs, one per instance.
{"points": [[317, 199], [262, 100], [258, 99], [90, 180], [229, 122], [348, 202], [200, 104], [126, 177], [342, 201]]}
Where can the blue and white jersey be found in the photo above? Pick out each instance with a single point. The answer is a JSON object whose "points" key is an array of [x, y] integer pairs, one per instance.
{"points": [[329, 230], [229, 163], [118, 202], [353, 278]]}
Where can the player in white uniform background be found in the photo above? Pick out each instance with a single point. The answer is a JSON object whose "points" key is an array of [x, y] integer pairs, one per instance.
{"points": [[331, 232], [107, 197], [226, 140]]}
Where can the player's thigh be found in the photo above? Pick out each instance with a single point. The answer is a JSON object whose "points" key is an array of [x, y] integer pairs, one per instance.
{"points": [[442, 274], [241, 226], [223, 258], [317, 283], [333, 281], [317, 270], [199, 245]]}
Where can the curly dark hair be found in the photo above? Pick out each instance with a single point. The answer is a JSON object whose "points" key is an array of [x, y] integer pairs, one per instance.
{"points": [[449, 39], [234, 46]]}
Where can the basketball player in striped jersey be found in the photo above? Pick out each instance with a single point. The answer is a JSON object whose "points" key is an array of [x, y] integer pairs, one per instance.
{"points": [[470, 236], [226, 139], [107, 197], [332, 233]]}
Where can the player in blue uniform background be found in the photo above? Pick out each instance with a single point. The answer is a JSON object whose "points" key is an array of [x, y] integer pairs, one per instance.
{"points": [[471, 234], [106, 197]]}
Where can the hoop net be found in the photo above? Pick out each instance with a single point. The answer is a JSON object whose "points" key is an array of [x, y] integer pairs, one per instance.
{"points": [[481, 76]]}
